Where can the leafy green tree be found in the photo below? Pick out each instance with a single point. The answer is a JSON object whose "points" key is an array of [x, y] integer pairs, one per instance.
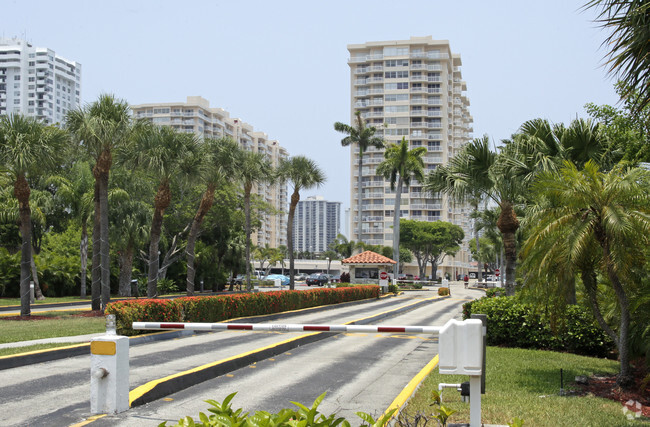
{"points": [[100, 128], [628, 44], [343, 246], [364, 137], [626, 130], [588, 209], [399, 166], [254, 169], [27, 148], [430, 242], [219, 164], [302, 173], [165, 154]]}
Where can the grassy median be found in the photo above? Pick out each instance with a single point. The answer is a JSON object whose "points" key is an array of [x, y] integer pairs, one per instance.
{"points": [[50, 325], [525, 384]]}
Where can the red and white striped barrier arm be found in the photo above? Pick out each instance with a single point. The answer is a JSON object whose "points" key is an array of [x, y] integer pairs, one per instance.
{"points": [[287, 327]]}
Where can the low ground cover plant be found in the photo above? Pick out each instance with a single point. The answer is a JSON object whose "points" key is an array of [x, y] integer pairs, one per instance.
{"points": [[443, 291], [211, 309]]}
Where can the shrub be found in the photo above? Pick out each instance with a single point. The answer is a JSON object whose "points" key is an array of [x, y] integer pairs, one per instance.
{"points": [[515, 324], [345, 277], [166, 286], [443, 291], [219, 308], [495, 292], [392, 288]]}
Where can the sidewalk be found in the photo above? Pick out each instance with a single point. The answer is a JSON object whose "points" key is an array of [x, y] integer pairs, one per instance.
{"points": [[72, 340]]}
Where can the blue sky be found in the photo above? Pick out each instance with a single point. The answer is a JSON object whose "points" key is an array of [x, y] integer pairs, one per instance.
{"points": [[282, 66]]}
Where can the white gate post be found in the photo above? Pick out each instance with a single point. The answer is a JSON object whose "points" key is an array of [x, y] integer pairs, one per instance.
{"points": [[109, 371]]}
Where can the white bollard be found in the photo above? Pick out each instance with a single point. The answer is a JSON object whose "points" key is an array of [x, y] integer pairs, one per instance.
{"points": [[109, 371]]}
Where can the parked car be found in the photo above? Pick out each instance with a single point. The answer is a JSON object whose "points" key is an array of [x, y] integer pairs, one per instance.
{"points": [[335, 279], [284, 280], [299, 276], [319, 279], [240, 279], [404, 277]]}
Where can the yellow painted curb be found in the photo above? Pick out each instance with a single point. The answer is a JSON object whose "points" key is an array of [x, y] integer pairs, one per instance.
{"points": [[410, 388]]}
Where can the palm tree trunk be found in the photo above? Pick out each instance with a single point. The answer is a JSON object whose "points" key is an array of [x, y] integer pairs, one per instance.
{"points": [[83, 254], [126, 267], [625, 378], [152, 278], [398, 205], [104, 245], [295, 198], [96, 285], [589, 281], [21, 192], [161, 202], [38, 293], [247, 225], [204, 207], [359, 194], [508, 225]]}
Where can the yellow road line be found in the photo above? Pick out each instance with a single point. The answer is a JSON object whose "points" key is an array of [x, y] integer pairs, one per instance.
{"points": [[88, 420], [410, 388]]}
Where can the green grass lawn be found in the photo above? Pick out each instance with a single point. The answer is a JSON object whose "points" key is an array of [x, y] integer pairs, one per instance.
{"points": [[17, 350], [65, 325], [50, 300], [525, 384]]}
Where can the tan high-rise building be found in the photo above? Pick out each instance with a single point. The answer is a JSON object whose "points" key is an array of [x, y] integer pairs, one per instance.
{"points": [[196, 116], [413, 89]]}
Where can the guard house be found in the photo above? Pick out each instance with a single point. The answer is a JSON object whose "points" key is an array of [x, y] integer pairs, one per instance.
{"points": [[365, 267]]}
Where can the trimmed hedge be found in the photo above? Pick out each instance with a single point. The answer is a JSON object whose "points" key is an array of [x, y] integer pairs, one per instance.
{"points": [[443, 291], [219, 308], [515, 324]]}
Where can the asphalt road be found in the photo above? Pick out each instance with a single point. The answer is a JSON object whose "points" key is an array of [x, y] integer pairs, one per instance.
{"points": [[360, 372]]}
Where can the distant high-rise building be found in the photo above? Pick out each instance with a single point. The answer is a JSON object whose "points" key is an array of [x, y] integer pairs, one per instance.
{"points": [[316, 224], [413, 89], [196, 116], [36, 82]]}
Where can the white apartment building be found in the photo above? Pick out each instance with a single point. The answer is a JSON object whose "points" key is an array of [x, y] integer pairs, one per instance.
{"points": [[37, 82], [316, 224], [413, 89], [196, 116]]}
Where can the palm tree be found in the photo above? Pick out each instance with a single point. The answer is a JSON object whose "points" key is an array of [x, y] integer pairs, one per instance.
{"points": [[399, 166], [76, 190], [470, 176], [611, 211], [364, 137], [27, 148], [254, 169], [100, 128], [303, 173], [628, 43], [165, 154], [219, 164]]}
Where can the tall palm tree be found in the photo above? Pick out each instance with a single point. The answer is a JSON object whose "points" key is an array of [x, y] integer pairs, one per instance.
{"points": [[27, 148], [220, 163], [399, 166], [364, 137], [100, 128], [254, 169], [628, 24], [165, 154], [611, 211], [469, 176], [302, 173]]}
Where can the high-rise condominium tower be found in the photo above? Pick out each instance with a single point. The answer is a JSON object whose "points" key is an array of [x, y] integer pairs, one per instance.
{"points": [[413, 89], [316, 224], [37, 82], [196, 116]]}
